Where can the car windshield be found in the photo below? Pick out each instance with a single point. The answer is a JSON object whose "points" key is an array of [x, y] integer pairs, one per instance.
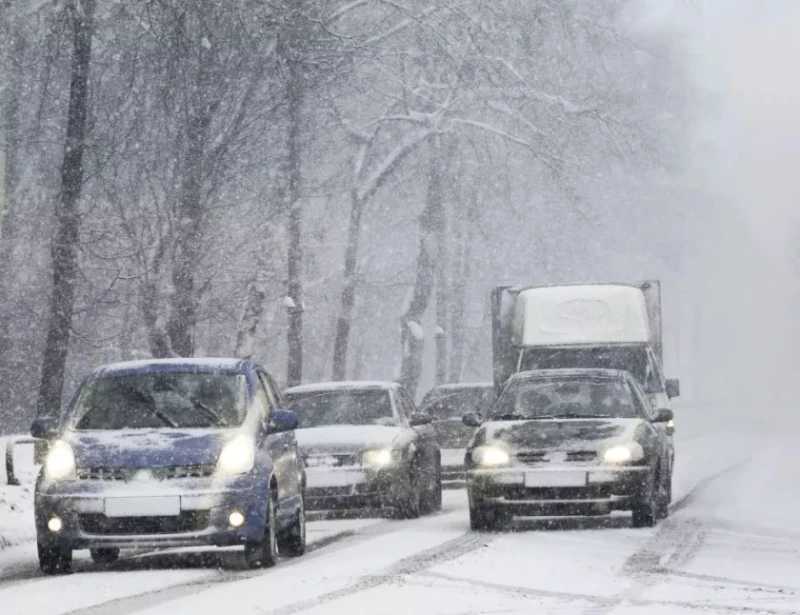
{"points": [[319, 409], [166, 400], [542, 398], [632, 359], [443, 404]]}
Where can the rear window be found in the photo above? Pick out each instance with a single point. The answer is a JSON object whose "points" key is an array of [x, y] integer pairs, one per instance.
{"points": [[319, 409], [446, 404], [165, 400]]}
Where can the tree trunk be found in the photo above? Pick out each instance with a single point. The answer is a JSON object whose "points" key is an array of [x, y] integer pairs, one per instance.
{"points": [[430, 225], [349, 288], [65, 243], [462, 269], [294, 94], [253, 314], [189, 223]]}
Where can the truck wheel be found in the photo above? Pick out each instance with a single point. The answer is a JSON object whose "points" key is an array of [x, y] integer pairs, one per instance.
{"points": [[264, 553], [54, 560], [104, 556], [292, 541]]}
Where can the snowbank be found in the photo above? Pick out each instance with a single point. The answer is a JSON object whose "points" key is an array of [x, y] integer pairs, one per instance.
{"points": [[16, 503]]}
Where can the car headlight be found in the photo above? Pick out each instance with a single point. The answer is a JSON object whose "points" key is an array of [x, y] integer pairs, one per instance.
{"points": [[60, 462], [490, 456], [238, 456], [624, 453], [381, 457]]}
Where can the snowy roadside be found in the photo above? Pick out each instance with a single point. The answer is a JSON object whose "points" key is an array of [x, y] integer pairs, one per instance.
{"points": [[16, 504]]}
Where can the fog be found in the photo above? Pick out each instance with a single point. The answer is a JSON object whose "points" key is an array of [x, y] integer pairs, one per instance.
{"points": [[743, 164]]}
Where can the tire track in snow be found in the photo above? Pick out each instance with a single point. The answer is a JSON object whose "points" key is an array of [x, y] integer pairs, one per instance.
{"points": [[450, 550]]}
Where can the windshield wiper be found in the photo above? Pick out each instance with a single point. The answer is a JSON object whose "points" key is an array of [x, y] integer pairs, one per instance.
{"points": [[150, 404], [576, 415], [212, 416], [511, 416]]}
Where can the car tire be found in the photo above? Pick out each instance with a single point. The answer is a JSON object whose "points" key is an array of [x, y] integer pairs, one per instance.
{"points": [[292, 540], [433, 499], [104, 556], [264, 553], [485, 519], [645, 507], [410, 504], [664, 496], [54, 560]]}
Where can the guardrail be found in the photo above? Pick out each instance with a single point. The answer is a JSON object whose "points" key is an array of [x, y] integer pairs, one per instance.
{"points": [[10, 444]]}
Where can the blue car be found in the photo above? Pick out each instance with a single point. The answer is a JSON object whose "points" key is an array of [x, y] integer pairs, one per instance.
{"points": [[171, 453]]}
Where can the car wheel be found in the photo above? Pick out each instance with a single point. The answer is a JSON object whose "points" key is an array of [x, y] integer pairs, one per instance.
{"points": [[104, 556], [54, 560], [410, 504], [264, 553], [645, 507], [292, 541], [433, 499], [664, 496], [485, 519]]}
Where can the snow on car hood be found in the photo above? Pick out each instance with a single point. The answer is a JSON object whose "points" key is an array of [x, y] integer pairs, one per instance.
{"points": [[559, 434], [146, 448], [346, 438]]}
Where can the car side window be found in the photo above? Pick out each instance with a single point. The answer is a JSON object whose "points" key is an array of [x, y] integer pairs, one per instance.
{"points": [[654, 380], [642, 407], [262, 402], [268, 390]]}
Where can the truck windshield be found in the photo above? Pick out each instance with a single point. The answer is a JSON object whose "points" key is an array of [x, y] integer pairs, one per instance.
{"points": [[166, 400], [632, 359], [552, 398]]}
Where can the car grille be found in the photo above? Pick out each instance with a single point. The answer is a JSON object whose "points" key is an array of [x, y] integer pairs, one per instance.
{"points": [[186, 522], [129, 474], [590, 492], [331, 461], [532, 457]]}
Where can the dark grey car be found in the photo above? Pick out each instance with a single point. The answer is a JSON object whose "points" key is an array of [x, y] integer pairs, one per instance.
{"points": [[569, 442]]}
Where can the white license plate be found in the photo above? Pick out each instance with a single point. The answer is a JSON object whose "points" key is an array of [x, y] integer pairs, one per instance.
{"points": [[555, 479], [322, 478], [156, 506]]}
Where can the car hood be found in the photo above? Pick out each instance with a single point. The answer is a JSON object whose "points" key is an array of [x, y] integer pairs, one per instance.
{"points": [[347, 438], [150, 448], [562, 435]]}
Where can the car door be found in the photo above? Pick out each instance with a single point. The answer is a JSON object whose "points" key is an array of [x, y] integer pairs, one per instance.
{"points": [[294, 458], [277, 445], [425, 439], [646, 409]]}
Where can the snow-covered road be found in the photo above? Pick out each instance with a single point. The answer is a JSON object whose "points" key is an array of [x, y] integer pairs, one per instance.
{"points": [[730, 546]]}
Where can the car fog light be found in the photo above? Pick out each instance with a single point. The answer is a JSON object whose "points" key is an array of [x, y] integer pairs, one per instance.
{"points": [[236, 519], [55, 525]]}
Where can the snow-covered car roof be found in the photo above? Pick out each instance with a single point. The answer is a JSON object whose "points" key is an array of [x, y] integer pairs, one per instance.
{"points": [[168, 365], [351, 385], [457, 386], [571, 373]]}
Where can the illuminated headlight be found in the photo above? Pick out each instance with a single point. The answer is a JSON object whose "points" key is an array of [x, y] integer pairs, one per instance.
{"points": [[238, 456], [60, 462], [624, 453], [490, 456], [381, 457]]}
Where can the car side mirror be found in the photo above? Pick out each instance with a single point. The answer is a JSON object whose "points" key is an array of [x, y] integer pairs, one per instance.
{"points": [[673, 388], [419, 418], [44, 428], [281, 421], [665, 415], [473, 419]]}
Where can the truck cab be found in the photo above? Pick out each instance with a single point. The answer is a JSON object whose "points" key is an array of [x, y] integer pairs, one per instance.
{"points": [[605, 326]]}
